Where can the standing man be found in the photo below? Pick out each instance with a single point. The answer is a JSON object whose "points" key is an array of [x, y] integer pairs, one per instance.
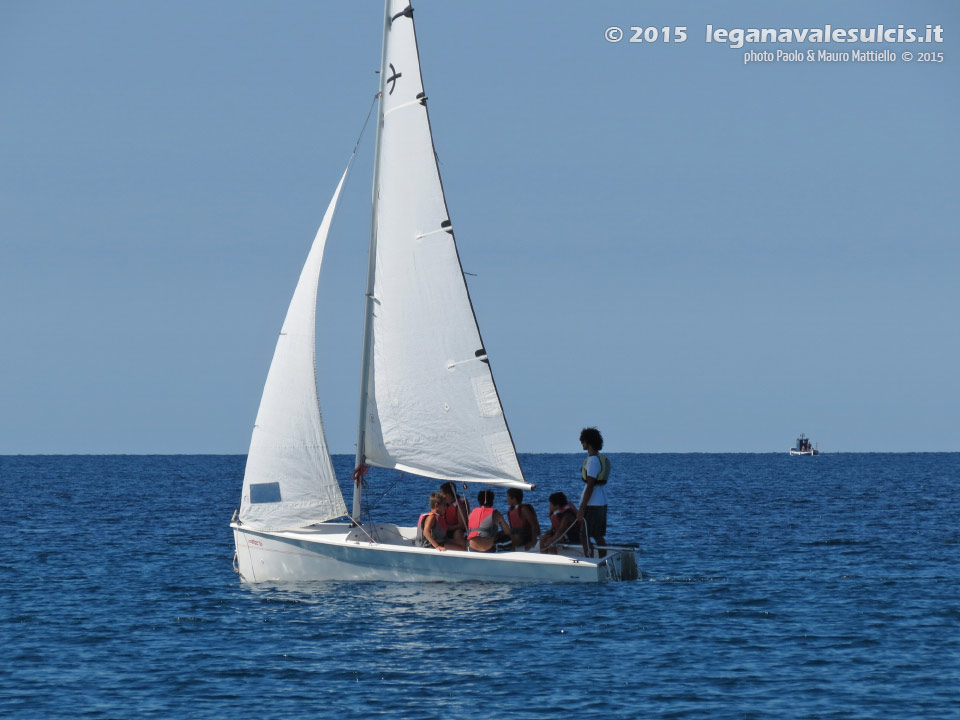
{"points": [[593, 503]]}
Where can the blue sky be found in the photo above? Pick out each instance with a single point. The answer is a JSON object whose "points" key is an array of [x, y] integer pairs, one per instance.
{"points": [[691, 253]]}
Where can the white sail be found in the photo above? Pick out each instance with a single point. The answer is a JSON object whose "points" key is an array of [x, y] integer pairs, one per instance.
{"points": [[431, 404], [289, 480]]}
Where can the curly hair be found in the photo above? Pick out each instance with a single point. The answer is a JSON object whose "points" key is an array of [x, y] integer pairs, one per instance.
{"points": [[592, 437]]}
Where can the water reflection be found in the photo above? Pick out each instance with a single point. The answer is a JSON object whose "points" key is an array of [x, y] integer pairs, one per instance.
{"points": [[390, 600]]}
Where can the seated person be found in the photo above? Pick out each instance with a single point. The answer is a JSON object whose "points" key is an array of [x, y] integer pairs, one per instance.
{"points": [[524, 525], [482, 528], [455, 517], [431, 530], [563, 524]]}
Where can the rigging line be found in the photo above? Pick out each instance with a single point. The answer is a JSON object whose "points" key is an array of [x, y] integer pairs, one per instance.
{"points": [[361, 528], [369, 113], [370, 508], [373, 506], [461, 513]]}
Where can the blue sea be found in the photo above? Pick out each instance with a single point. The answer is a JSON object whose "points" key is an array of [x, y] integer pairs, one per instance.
{"points": [[773, 587]]}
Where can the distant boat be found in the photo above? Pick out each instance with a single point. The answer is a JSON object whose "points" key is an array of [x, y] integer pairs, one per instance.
{"points": [[428, 404], [803, 447]]}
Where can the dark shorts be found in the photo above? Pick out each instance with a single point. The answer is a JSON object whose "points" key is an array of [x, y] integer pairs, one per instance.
{"points": [[523, 535], [596, 519]]}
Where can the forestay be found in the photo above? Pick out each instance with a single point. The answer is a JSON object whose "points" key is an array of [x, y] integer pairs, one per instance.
{"points": [[432, 407], [289, 480]]}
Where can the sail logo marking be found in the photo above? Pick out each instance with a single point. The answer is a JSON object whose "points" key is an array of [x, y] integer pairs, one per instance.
{"points": [[393, 78]]}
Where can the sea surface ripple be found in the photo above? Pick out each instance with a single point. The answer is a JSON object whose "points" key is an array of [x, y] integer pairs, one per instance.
{"points": [[824, 587]]}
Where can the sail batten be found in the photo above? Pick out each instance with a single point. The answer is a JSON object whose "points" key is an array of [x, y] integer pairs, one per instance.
{"points": [[289, 479], [431, 406]]}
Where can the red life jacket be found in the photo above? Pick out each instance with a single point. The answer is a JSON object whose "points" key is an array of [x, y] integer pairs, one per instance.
{"points": [[557, 515], [421, 526], [556, 519], [481, 523], [452, 517], [440, 520], [516, 519]]}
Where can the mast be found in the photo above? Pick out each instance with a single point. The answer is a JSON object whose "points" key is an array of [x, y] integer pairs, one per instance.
{"points": [[371, 278]]}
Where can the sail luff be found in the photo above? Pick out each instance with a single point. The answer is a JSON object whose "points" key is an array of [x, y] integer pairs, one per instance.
{"points": [[289, 479]]}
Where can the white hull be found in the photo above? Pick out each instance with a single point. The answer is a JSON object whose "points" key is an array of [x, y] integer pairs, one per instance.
{"points": [[337, 551], [803, 452]]}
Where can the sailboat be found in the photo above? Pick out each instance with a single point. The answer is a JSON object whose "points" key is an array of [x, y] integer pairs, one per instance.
{"points": [[428, 402]]}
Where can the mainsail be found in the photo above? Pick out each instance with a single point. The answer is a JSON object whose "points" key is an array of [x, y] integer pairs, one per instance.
{"points": [[289, 479], [431, 406]]}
